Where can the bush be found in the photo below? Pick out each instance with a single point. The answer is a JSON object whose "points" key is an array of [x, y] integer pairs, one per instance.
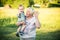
{"points": [[54, 5]]}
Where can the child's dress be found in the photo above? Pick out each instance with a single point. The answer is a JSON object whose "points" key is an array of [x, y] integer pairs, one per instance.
{"points": [[21, 17]]}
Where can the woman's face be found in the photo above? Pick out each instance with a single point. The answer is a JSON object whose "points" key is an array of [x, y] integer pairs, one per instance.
{"points": [[28, 13]]}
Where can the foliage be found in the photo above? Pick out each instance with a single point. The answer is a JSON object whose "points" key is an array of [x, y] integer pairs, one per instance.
{"points": [[54, 5], [31, 2], [15, 3], [26, 3]]}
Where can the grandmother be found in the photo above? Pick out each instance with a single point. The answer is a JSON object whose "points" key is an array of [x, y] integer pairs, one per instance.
{"points": [[32, 23]]}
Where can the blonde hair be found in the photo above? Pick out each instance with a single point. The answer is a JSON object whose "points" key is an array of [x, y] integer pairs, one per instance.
{"points": [[31, 10], [20, 6]]}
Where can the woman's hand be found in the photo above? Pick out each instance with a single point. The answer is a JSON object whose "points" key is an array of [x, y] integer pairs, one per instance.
{"points": [[19, 23], [36, 13], [37, 23]]}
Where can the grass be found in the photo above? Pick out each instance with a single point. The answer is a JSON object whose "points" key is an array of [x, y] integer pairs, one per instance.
{"points": [[48, 17]]}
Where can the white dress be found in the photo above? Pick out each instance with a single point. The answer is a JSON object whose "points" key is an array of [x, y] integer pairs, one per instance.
{"points": [[30, 30]]}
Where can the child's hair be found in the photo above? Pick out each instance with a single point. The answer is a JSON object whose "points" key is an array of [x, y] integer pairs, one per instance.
{"points": [[20, 6]]}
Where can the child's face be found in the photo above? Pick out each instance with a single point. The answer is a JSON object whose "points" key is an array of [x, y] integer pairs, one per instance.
{"points": [[21, 9]]}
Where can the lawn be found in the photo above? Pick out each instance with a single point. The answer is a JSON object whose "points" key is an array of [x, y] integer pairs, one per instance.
{"points": [[48, 17]]}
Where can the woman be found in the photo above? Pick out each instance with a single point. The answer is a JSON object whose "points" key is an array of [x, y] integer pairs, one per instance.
{"points": [[32, 23]]}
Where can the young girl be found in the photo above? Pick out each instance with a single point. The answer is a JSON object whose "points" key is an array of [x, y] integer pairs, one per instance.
{"points": [[21, 19]]}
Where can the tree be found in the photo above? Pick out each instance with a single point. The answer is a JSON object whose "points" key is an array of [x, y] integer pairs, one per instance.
{"points": [[31, 2]]}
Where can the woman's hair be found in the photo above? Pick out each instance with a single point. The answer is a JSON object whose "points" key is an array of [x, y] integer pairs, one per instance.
{"points": [[31, 10]]}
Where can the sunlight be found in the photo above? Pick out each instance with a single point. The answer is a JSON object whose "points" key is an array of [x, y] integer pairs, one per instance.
{"points": [[48, 17]]}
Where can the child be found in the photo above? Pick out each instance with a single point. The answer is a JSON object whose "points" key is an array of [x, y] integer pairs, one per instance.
{"points": [[21, 18]]}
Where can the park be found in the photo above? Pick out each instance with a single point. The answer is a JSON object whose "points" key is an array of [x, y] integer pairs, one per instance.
{"points": [[49, 17]]}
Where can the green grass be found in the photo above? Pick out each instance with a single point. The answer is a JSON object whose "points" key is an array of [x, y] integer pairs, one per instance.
{"points": [[48, 17]]}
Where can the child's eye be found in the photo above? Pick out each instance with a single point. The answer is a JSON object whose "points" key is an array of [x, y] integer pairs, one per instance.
{"points": [[20, 9]]}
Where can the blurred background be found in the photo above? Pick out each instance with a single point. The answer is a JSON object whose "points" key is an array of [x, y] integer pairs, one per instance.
{"points": [[49, 17]]}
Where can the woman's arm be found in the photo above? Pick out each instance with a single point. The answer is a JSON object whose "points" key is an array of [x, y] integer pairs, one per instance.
{"points": [[19, 23], [37, 23]]}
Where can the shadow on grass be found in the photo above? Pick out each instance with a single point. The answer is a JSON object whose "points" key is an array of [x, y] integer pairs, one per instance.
{"points": [[7, 32], [8, 29], [48, 36]]}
